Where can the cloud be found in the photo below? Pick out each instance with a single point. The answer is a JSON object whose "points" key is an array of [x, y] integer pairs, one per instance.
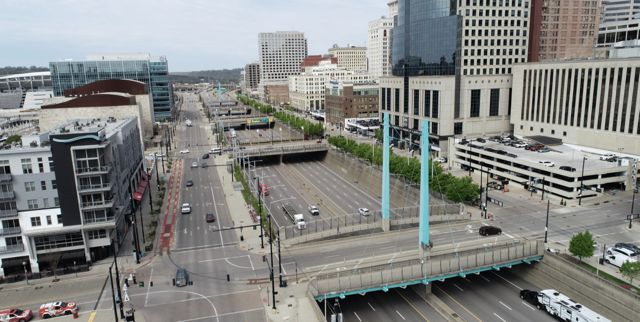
{"points": [[194, 34]]}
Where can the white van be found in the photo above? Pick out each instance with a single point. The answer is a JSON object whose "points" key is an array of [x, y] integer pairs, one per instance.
{"points": [[215, 150], [618, 256]]}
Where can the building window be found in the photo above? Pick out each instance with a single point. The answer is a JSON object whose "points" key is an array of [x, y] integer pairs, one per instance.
{"points": [[97, 234], [475, 103], [494, 102], [553, 131], [457, 128], [35, 222], [521, 127], [45, 202], [416, 102], [59, 218], [51, 168], [5, 168], [541, 130], [49, 222], [32, 203], [427, 103], [436, 104], [434, 128], [56, 202], [43, 185], [396, 100], [564, 133], [40, 166], [54, 184], [531, 128], [26, 166], [30, 186]]}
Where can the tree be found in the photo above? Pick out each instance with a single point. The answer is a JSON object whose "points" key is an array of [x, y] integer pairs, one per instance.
{"points": [[630, 270], [13, 139], [582, 245]]}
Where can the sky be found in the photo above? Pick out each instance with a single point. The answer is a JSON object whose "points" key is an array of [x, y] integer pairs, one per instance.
{"points": [[192, 34]]}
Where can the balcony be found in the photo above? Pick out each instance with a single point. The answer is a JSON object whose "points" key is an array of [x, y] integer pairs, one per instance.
{"points": [[5, 177], [6, 213], [105, 169], [11, 248], [100, 204], [95, 187], [7, 195], [9, 231]]}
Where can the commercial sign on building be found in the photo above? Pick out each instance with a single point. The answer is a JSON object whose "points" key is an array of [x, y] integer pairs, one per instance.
{"points": [[260, 120]]}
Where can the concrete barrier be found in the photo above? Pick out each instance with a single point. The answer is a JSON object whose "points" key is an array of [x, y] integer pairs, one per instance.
{"points": [[596, 293]]}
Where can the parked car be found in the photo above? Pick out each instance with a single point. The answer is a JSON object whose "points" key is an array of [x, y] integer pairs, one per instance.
{"points": [[215, 149], [189, 183], [618, 256], [364, 212], [52, 309], [633, 248], [210, 217], [185, 151], [543, 150], [441, 160], [15, 315], [481, 140], [519, 145], [489, 230], [608, 157], [205, 156], [204, 165], [547, 163], [567, 168], [194, 164], [186, 208], [531, 297]]}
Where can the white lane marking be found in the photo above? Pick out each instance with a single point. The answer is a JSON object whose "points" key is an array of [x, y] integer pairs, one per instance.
{"points": [[146, 297], [527, 305], [508, 235], [221, 258], [371, 306], [251, 262], [499, 317], [400, 315], [514, 285], [484, 278], [458, 287], [234, 265], [216, 209], [505, 305], [356, 314]]}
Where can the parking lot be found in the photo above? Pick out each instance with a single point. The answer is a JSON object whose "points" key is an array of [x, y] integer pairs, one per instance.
{"points": [[278, 134]]}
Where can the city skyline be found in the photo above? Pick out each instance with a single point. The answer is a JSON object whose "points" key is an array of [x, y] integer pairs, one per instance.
{"points": [[195, 40]]}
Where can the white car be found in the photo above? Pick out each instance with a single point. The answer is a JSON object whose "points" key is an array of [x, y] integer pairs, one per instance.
{"points": [[185, 151], [547, 163], [441, 160], [364, 212], [194, 164], [314, 210], [215, 150], [617, 257], [607, 157], [186, 208], [520, 145]]}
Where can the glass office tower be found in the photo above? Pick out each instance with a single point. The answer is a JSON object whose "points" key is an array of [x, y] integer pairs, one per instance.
{"points": [[426, 38], [141, 67]]}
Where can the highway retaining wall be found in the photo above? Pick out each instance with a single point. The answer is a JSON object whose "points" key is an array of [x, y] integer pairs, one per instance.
{"points": [[598, 294]]}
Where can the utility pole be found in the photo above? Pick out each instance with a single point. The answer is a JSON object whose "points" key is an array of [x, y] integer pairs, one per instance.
{"points": [[633, 199], [113, 296], [141, 221], [280, 260], [581, 182], [273, 283], [260, 214], [136, 241], [542, 198], [486, 194], [115, 261], [155, 155], [546, 224], [469, 158]]}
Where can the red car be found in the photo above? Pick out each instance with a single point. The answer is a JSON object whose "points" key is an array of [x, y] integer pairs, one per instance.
{"points": [[15, 315], [52, 309]]}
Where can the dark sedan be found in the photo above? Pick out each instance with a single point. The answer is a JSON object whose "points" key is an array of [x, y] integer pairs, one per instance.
{"points": [[210, 217], [489, 230], [189, 183]]}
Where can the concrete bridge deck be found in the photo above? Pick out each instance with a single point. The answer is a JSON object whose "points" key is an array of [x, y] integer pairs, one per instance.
{"points": [[438, 264]]}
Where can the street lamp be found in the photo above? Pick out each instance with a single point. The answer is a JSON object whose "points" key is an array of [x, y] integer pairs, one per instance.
{"points": [[280, 128], [24, 265], [303, 133], [633, 199], [581, 182]]}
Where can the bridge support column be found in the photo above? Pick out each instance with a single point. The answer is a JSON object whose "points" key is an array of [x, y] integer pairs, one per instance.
{"points": [[425, 243], [385, 174]]}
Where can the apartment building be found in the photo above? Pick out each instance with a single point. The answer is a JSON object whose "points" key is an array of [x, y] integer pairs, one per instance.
{"points": [[280, 55], [351, 58], [66, 193], [379, 47]]}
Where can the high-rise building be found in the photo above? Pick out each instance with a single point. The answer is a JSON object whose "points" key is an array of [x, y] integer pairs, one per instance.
{"points": [[280, 55], [393, 8], [379, 47], [252, 76], [452, 65], [68, 192], [620, 21], [153, 71], [350, 57], [307, 90], [564, 29]]}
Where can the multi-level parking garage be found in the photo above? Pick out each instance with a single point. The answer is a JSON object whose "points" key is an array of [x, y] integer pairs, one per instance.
{"points": [[559, 170]]}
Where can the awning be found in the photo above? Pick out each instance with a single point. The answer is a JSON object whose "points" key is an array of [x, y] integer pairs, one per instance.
{"points": [[137, 196]]}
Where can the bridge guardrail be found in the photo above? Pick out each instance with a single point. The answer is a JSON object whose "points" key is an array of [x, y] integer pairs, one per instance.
{"points": [[431, 268], [286, 149]]}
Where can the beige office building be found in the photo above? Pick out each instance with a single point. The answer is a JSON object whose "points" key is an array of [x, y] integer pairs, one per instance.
{"points": [[591, 103], [350, 58]]}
